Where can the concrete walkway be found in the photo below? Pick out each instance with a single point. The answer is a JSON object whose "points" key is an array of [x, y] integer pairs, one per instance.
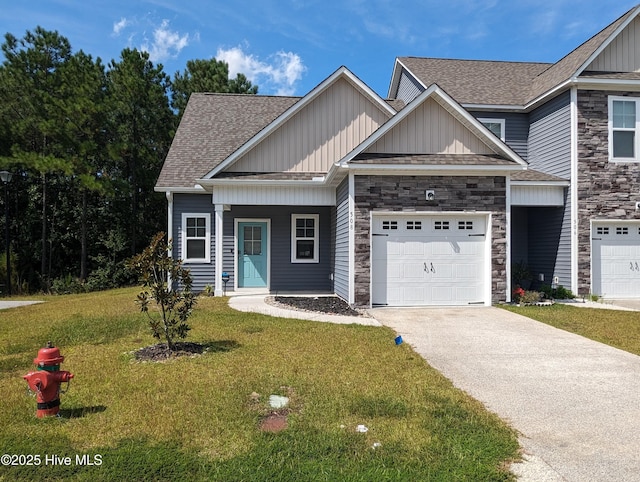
{"points": [[575, 402], [257, 304], [15, 304]]}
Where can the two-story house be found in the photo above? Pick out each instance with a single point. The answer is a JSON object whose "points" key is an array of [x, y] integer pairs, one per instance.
{"points": [[424, 198]]}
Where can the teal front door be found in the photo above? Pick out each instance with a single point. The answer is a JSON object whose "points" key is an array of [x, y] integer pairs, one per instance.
{"points": [[252, 255]]}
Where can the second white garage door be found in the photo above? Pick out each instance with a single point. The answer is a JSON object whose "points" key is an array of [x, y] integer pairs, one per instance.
{"points": [[615, 260], [429, 260]]}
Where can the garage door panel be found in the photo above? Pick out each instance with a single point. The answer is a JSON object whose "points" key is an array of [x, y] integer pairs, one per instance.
{"points": [[413, 271], [466, 271], [422, 263], [442, 295], [413, 248]]}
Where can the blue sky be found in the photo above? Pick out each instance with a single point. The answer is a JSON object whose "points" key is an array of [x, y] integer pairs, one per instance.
{"points": [[288, 46]]}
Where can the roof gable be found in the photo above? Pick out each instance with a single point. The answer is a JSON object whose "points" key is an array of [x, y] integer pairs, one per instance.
{"points": [[214, 126], [621, 53], [315, 136], [344, 122], [576, 61], [434, 123]]}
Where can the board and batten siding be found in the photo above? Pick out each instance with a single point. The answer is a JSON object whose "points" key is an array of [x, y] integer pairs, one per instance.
{"points": [[341, 251], [550, 152], [327, 129], [408, 87], [203, 274], [516, 129], [285, 276], [430, 129], [622, 54]]}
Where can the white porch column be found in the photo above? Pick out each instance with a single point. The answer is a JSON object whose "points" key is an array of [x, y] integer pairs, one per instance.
{"points": [[218, 227]]}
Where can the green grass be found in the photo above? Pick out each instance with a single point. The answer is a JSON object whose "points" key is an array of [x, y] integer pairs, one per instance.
{"points": [[195, 419], [620, 329]]}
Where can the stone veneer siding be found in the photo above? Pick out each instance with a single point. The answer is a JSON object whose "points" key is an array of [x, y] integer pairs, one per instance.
{"points": [[606, 190], [407, 194]]}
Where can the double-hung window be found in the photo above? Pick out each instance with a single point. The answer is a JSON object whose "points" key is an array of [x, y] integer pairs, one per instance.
{"points": [[196, 238], [304, 238], [624, 121]]}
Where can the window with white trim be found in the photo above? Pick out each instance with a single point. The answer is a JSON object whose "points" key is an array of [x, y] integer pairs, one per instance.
{"points": [[624, 121], [494, 125], [196, 238], [304, 238]]}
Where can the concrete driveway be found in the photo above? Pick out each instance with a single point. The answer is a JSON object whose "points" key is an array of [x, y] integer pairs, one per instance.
{"points": [[575, 402]]}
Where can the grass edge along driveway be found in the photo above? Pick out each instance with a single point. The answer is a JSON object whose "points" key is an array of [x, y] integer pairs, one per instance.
{"points": [[197, 418], [617, 328]]}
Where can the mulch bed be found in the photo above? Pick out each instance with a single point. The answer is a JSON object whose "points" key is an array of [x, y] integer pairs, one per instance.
{"points": [[331, 305], [161, 352]]}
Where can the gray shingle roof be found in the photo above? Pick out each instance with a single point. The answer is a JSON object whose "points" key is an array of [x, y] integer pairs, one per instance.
{"points": [[535, 176], [433, 159], [505, 83], [271, 176], [214, 126], [477, 81]]}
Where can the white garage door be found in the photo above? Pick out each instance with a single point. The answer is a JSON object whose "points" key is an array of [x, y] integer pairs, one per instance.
{"points": [[616, 259], [428, 260]]}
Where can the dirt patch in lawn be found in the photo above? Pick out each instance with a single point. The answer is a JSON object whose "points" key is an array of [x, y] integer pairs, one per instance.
{"points": [[331, 305]]}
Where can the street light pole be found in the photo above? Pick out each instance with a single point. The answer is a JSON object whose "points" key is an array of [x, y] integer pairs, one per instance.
{"points": [[6, 177]]}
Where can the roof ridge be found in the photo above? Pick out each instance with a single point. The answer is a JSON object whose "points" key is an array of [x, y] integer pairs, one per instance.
{"points": [[236, 94], [476, 60]]}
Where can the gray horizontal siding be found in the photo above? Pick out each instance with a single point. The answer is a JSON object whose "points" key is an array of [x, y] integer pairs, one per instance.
{"points": [[549, 246], [408, 87], [202, 273], [550, 137], [550, 152], [341, 252], [285, 275], [516, 129]]}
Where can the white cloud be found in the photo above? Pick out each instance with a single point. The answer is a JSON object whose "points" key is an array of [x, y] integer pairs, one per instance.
{"points": [[279, 74], [166, 44], [119, 26]]}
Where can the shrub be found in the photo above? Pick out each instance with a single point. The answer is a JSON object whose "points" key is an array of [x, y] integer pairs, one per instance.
{"points": [[559, 293], [155, 267], [68, 285], [530, 297]]}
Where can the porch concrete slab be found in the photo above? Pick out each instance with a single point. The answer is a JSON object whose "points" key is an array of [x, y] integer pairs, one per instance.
{"points": [[574, 402], [257, 304]]}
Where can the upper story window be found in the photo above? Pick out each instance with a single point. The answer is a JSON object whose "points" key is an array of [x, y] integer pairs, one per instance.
{"points": [[623, 127], [494, 125], [196, 238]]}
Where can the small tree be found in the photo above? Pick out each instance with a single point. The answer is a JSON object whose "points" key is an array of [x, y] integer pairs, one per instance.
{"points": [[154, 268]]}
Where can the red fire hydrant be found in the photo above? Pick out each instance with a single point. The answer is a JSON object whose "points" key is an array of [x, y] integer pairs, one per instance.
{"points": [[47, 380]]}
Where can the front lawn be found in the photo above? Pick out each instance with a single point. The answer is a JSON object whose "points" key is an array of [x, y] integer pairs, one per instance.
{"points": [[197, 418], [620, 329]]}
